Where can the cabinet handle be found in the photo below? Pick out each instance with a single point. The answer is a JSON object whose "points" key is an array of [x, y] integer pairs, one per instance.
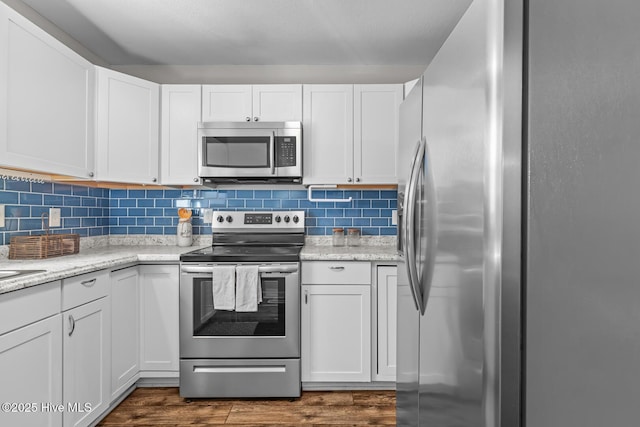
{"points": [[91, 174], [248, 119], [357, 179], [154, 180], [195, 179], [306, 297], [336, 268], [255, 119], [89, 283], [72, 325]]}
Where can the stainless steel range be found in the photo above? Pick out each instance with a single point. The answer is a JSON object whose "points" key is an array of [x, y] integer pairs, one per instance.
{"points": [[240, 308]]}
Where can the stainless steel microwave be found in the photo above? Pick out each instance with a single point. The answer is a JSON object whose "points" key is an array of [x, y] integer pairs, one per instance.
{"points": [[250, 152]]}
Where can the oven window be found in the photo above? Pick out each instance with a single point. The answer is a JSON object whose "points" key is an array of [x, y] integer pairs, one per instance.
{"points": [[237, 151], [269, 320]]}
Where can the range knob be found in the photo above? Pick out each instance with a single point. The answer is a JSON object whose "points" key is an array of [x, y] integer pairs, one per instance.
{"points": [[286, 218], [278, 219], [229, 218], [220, 218], [296, 219]]}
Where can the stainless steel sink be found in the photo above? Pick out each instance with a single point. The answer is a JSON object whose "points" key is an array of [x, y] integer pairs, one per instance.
{"points": [[11, 274]]}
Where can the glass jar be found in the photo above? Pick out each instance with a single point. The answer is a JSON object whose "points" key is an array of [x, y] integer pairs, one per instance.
{"points": [[353, 237], [338, 237]]}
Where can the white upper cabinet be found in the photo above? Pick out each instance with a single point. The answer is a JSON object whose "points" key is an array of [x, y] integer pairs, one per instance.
{"points": [[328, 134], [351, 133], [180, 114], [239, 103], [376, 117], [127, 128], [46, 101]]}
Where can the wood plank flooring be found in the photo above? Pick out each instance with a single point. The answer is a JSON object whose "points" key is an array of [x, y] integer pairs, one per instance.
{"points": [[164, 407]]}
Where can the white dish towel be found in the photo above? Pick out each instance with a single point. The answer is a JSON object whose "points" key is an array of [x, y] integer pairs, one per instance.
{"points": [[224, 287], [248, 289]]}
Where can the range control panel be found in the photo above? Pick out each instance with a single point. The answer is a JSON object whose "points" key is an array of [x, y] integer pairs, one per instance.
{"points": [[250, 220]]}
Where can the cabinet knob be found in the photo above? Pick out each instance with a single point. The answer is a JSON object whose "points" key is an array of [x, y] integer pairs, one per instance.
{"points": [[255, 119], [91, 174], [349, 179], [357, 179], [248, 119], [154, 180], [195, 179]]}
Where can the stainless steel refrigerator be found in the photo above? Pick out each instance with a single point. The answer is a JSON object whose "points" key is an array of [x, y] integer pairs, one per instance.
{"points": [[519, 285]]}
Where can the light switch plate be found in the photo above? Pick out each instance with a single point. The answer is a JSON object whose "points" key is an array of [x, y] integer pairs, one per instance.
{"points": [[394, 217], [1, 216], [54, 217], [207, 216]]}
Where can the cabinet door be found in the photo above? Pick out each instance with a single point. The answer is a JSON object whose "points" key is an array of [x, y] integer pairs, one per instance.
{"points": [[86, 362], [277, 103], [159, 287], [180, 113], [376, 118], [387, 323], [30, 362], [46, 101], [227, 103], [328, 134], [125, 336], [127, 128], [336, 333]]}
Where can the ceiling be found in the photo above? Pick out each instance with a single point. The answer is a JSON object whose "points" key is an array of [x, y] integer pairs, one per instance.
{"points": [[302, 34]]}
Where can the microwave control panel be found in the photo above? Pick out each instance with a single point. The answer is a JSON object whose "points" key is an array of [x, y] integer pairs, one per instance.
{"points": [[285, 151]]}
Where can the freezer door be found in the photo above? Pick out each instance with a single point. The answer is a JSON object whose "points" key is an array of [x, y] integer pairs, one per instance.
{"points": [[455, 127]]}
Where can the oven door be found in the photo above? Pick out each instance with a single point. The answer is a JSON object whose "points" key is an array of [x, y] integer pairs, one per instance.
{"points": [[272, 331]]}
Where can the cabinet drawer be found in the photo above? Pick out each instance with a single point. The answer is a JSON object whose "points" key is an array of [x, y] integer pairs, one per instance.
{"points": [[29, 305], [81, 289], [336, 272]]}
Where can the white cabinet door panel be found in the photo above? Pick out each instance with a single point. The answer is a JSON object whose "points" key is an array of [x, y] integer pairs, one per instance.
{"points": [[336, 333], [46, 101], [30, 362], [328, 134], [127, 128], [86, 362], [277, 103], [387, 302], [159, 291], [226, 103], [376, 119], [180, 114]]}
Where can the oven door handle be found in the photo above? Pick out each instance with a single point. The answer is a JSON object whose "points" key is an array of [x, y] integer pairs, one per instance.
{"points": [[261, 269]]}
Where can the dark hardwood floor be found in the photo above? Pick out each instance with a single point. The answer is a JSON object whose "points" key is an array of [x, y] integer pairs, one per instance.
{"points": [[164, 407]]}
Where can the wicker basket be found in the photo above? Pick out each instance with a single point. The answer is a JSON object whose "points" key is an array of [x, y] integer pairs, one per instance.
{"points": [[43, 246]]}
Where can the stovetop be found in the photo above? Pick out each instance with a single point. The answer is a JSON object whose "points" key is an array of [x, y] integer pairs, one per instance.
{"points": [[243, 254], [250, 236]]}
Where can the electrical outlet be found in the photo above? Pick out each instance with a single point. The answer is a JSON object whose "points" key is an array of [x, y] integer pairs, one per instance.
{"points": [[54, 217], [1, 216], [207, 216], [394, 217]]}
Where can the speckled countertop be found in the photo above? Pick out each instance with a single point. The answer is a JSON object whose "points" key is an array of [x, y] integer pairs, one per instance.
{"points": [[370, 249], [85, 262], [110, 256]]}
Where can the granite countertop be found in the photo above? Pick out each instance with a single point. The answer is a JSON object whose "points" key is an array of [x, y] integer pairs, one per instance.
{"points": [[86, 261], [370, 249]]}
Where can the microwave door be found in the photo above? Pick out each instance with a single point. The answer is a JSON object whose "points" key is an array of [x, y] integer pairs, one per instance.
{"points": [[236, 153]]}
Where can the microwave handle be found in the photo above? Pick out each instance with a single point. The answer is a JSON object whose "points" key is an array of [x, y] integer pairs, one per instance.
{"points": [[272, 149]]}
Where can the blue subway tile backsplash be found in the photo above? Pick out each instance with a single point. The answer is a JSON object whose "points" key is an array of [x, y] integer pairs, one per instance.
{"points": [[92, 211]]}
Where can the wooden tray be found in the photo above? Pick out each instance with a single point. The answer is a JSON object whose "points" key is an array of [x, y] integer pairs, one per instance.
{"points": [[43, 246]]}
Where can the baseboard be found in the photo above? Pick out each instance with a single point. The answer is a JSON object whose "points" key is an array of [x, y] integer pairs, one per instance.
{"points": [[158, 382]]}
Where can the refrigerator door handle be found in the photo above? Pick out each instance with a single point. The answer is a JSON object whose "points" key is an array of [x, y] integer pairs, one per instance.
{"points": [[409, 224], [431, 227]]}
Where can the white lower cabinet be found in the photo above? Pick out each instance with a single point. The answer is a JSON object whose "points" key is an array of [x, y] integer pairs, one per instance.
{"points": [[30, 361], [386, 293], [159, 294], [125, 336], [86, 362], [336, 333]]}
